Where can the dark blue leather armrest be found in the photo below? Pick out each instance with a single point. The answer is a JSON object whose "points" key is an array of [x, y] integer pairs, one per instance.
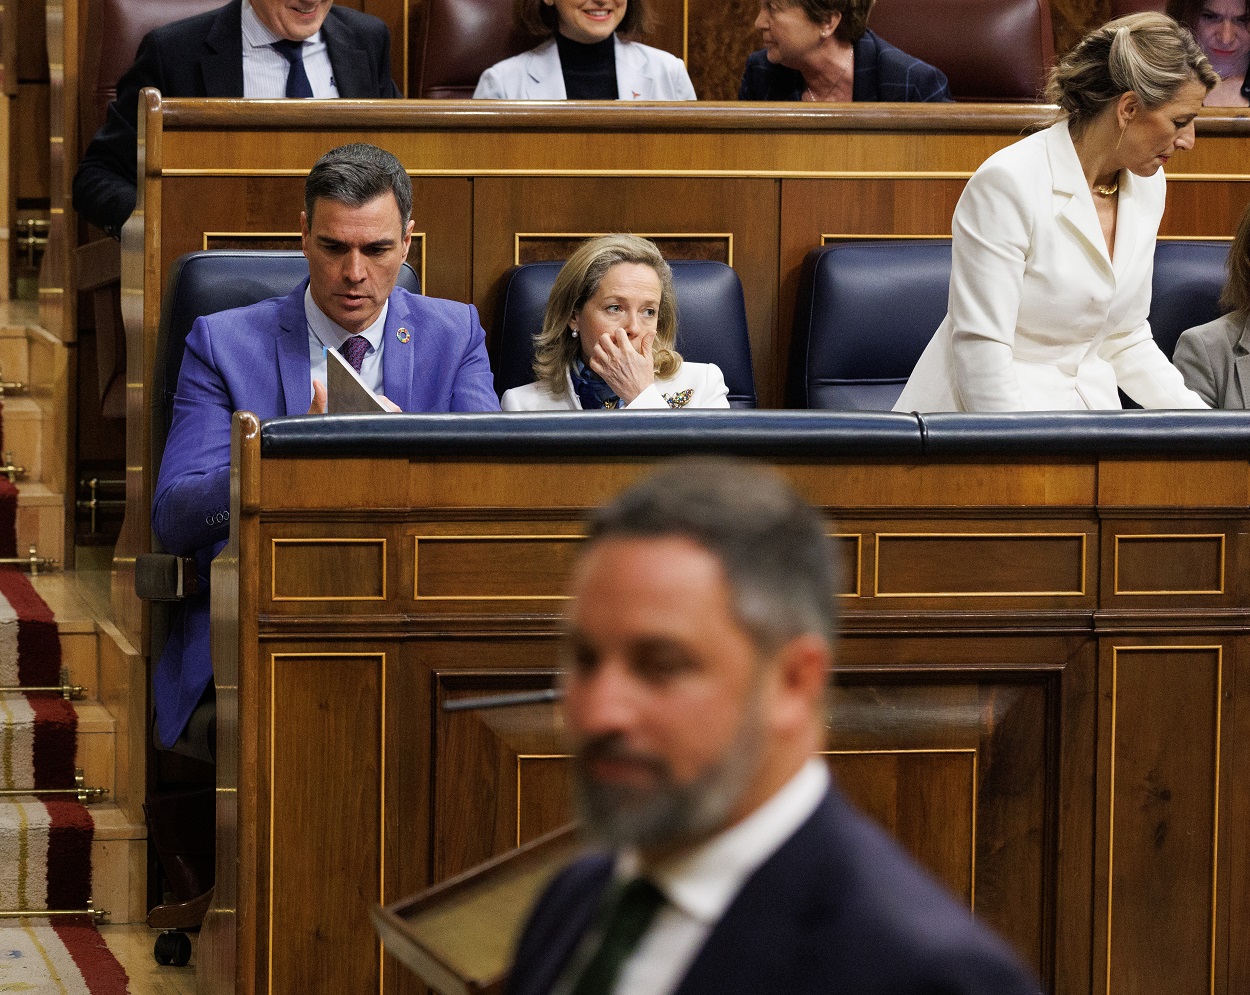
{"points": [[593, 434]]}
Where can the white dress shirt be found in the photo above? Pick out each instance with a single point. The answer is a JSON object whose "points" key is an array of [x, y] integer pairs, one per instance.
{"points": [[700, 886], [324, 334], [265, 71]]}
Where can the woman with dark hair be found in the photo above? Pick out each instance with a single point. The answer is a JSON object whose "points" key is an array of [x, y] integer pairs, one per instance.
{"points": [[609, 337], [1222, 28], [1053, 239], [588, 55], [822, 50], [1215, 358]]}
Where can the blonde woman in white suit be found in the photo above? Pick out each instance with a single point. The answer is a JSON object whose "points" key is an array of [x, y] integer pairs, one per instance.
{"points": [[585, 56], [1053, 239], [608, 336]]}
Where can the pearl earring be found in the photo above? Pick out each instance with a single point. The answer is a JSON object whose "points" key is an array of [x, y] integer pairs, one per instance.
{"points": [[573, 332]]}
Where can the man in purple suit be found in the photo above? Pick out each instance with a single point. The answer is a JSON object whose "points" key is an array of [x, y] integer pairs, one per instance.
{"points": [[698, 651], [418, 353]]}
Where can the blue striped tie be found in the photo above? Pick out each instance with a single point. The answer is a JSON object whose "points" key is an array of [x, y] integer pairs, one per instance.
{"points": [[297, 84]]}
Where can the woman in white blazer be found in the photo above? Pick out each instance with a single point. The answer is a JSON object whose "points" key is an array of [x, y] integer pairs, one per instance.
{"points": [[586, 58], [608, 335], [1053, 239]]}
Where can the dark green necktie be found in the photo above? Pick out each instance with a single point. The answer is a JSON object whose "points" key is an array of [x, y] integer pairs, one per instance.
{"points": [[635, 907]]}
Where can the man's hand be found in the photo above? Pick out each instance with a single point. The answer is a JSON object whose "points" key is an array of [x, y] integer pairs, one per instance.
{"points": [[318, 406], [628, 371]]}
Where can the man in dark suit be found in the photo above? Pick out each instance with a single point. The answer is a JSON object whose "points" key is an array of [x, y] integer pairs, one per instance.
{"points": [[698, 650], [321, 51], [417, 353]]}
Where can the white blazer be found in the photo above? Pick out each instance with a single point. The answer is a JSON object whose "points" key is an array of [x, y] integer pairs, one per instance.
{"points": [[694, 385], [642, 73], [1039, 316]]}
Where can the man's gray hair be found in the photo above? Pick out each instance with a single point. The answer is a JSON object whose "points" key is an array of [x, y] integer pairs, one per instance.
{"points": [[773, 546], [356, 174]]}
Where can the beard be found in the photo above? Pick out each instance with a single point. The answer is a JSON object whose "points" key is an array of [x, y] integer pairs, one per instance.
{"points": [[664, 812]]}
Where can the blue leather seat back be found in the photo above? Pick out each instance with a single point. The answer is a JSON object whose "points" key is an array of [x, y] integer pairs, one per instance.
{"points": [[1188, 279], [864, 314], [202, 283], [711, 322]]}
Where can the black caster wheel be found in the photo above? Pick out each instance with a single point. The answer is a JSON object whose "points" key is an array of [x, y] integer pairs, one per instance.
{"points": [[172, 949]]}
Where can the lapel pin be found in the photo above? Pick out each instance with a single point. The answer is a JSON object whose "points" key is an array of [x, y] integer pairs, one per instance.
{"points": [[402, 335]]}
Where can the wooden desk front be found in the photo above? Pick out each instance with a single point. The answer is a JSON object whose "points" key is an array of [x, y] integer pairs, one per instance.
{"points": [[1041, 689], [754, 186]]}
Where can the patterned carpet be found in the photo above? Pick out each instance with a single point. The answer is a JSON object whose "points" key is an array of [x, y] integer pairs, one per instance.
{"points": [[45, 840]]}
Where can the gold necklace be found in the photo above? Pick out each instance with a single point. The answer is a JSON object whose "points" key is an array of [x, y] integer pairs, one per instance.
{"points": [[1108, 189]]}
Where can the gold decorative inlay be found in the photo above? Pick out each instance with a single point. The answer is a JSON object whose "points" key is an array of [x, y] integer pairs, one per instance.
{"points": [[416, 567], [684, 236], [363, 541], [1168, 535], [273, 711], [933, 751], [831, 237], [1215, 815], [859, 561], [1079, 592]]}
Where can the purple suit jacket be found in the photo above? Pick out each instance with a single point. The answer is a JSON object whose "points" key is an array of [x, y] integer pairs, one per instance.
{"points": [[256, 359]]}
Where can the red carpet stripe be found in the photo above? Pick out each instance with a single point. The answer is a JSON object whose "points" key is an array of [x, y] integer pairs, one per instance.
{"points": [[56, 732], [69, 855], [38, 643], [100, 969], [8, 517]]}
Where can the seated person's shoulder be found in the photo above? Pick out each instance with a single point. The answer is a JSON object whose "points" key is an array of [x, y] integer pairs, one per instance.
{"points": [[764, 80], [923, 81]]}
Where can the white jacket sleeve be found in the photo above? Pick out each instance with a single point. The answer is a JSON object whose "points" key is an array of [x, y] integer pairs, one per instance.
{"points": [[991, 234]]}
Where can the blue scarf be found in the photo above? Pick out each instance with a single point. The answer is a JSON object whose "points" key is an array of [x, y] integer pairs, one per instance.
{"points": [[592, 390]]}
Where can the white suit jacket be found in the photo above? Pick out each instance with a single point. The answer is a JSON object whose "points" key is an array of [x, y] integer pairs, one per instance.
{"points": [[695, 385], [1039, 316], [642, 73]]}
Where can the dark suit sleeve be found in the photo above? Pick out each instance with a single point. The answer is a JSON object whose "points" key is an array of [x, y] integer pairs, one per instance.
{"points": [[474, 388], [192, 500], [104, 186]]}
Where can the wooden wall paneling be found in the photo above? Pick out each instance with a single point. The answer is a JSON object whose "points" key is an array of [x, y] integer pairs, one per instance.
{"points": [[397, 15], [817, 212], [327, 815], [734, 216], [1204, 209], [1162, 815], [251, 211], [721, 38], [1014, 708], [500, 776], [1238, 846], [57, 305]]}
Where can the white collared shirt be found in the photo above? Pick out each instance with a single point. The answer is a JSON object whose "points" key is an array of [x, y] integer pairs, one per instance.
{"points": [[265, 71], [701, 886], [325, 334]]}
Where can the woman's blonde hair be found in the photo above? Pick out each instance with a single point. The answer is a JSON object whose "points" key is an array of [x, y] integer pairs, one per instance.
{"points": [[1148, 54], [1236, 295], [555, 347]]}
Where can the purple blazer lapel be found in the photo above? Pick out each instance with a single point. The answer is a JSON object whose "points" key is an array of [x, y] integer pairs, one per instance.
{"points": [[398, 353], [294, 368]]}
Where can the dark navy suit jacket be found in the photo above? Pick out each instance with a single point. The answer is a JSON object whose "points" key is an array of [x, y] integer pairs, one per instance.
{"points": [[838, 908], [882, 72], [256, 359], [202, 56]]}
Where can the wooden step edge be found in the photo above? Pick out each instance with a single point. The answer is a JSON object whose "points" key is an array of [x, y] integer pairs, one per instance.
{"points": [[111, 823]]}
